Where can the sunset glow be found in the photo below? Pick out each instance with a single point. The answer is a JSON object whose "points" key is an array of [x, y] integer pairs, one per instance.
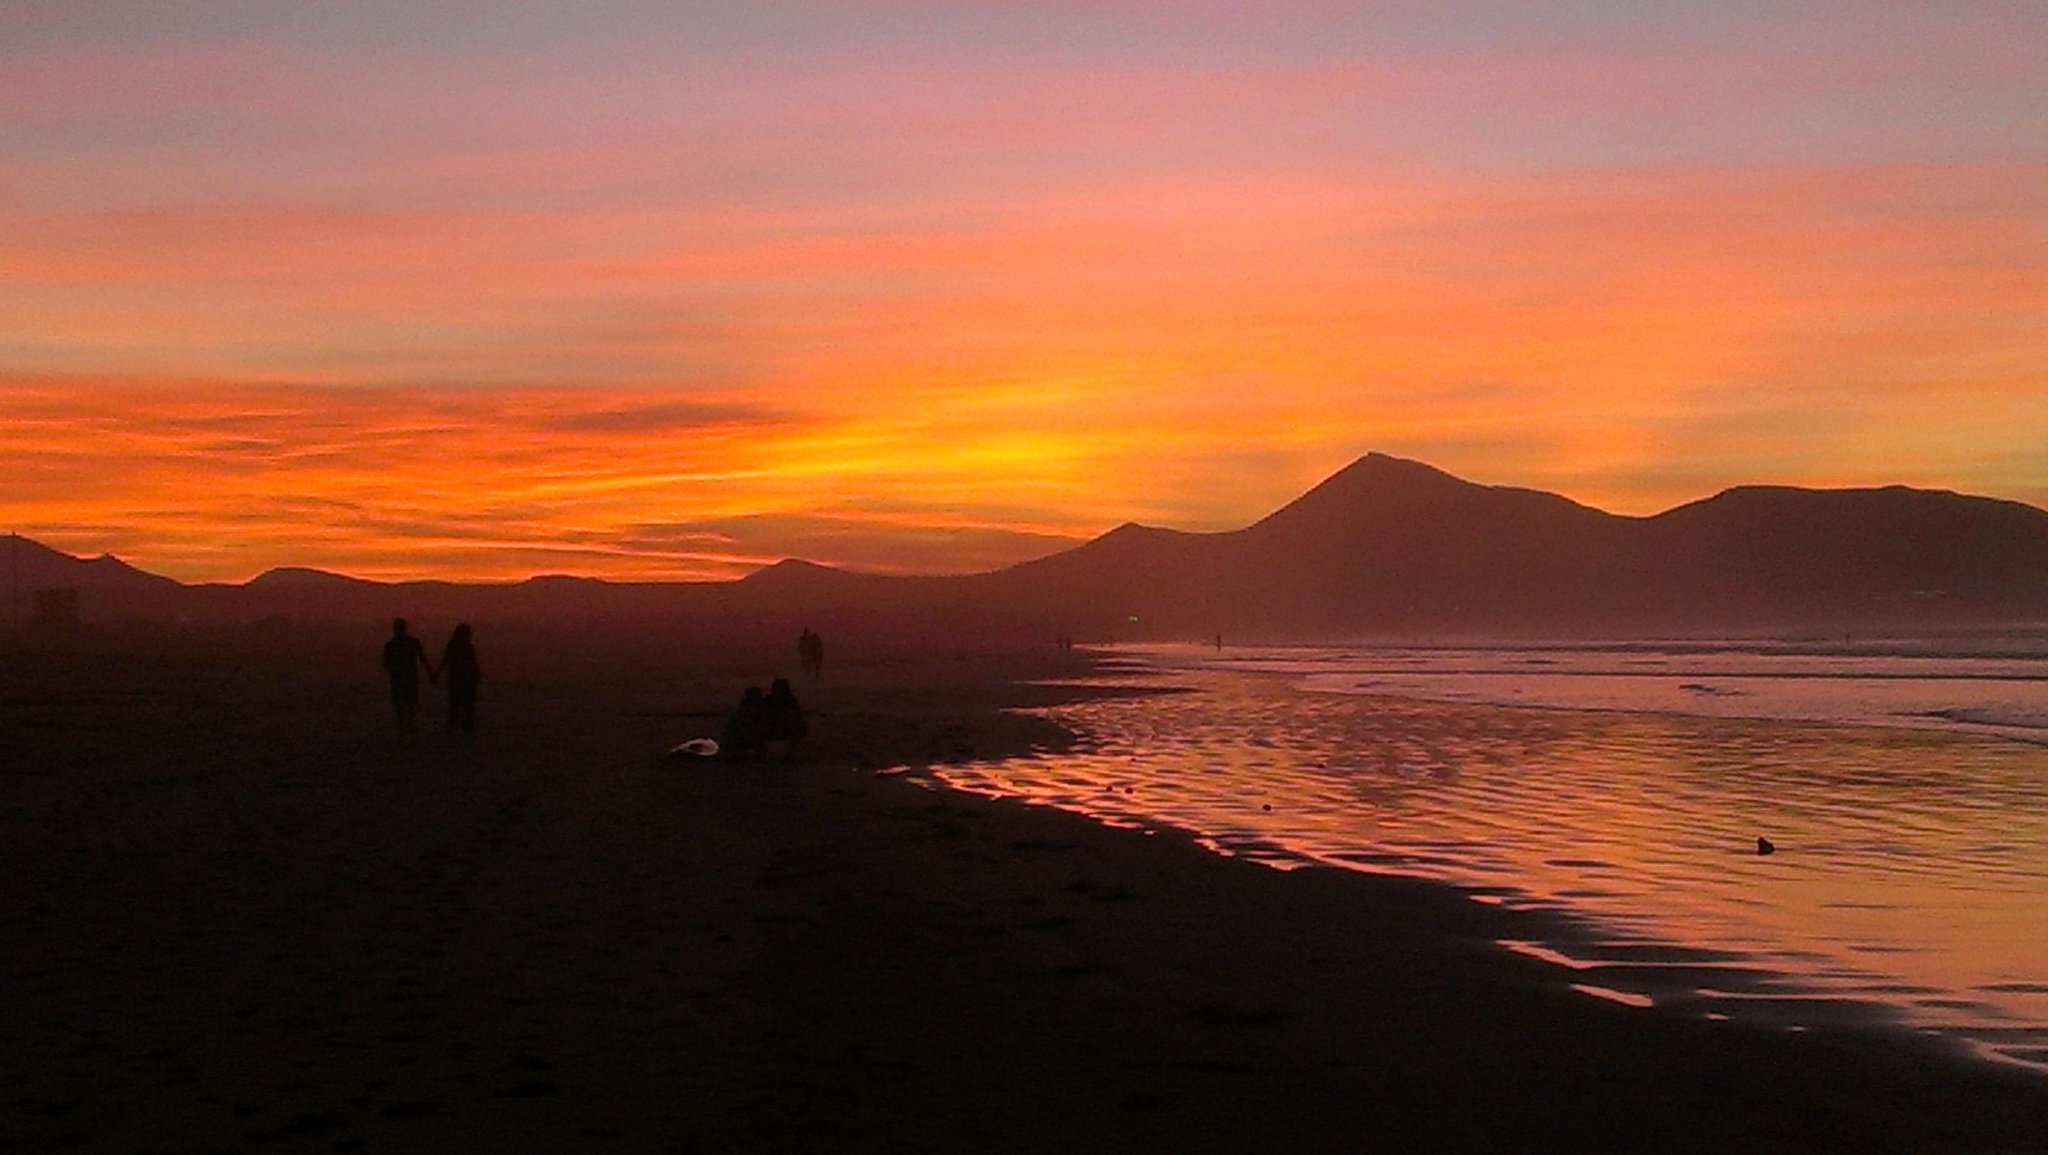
{"points": [[658, 290]]}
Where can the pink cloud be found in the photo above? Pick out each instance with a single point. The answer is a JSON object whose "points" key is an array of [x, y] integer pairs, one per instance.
{"points": [[1175, 283]]}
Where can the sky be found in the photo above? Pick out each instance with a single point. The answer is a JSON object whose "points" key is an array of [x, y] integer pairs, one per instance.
{"points": [[657, 290]]}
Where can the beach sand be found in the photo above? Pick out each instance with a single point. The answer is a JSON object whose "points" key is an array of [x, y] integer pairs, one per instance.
{"points": [[239, 913]]}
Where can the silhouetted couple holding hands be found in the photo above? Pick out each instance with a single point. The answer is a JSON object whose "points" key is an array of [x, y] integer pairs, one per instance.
{"points": [[404, 658]]}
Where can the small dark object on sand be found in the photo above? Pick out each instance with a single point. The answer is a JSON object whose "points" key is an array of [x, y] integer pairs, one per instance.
{"points": [[1766, 846]]}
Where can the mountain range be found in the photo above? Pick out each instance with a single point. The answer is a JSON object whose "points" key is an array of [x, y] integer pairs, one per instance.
{"points": [[1384, 548]]}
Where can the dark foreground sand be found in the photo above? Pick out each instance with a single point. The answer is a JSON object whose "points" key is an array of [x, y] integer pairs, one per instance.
{"points": [[236, 913]]}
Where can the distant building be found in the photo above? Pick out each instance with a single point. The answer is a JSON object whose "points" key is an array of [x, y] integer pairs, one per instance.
{"points": [[56, 609]]}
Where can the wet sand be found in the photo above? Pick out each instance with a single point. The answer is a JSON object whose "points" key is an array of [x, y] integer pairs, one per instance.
{"points": [[239, 914]]}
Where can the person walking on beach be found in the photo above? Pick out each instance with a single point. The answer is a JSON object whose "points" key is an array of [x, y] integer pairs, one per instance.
{"points": [[404, 658], [810, 651], [459, 666]]}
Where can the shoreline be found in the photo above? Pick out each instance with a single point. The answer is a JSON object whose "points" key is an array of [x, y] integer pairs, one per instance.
{"points": [[249, 917], [1960, 721], [1673, 932]]}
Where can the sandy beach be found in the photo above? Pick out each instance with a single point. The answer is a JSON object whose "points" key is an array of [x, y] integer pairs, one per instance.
{"points": [[240, 913]]}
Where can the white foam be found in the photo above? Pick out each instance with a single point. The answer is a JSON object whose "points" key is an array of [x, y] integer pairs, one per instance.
{"points": [[2001, 695]]}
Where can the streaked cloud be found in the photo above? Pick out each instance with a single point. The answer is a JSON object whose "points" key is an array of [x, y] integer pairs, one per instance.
{"points": [[400, 290]]}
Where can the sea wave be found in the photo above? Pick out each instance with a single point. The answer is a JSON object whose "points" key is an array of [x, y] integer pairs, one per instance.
{"points": [[2003, 695]]}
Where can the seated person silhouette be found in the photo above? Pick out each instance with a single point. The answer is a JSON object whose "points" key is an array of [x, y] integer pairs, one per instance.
{"points": [[746, 730], [782, 718]]}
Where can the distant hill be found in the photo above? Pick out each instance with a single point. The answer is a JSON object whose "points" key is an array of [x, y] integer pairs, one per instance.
{"points": [[27, 566], [1384, 548], [1776, 552], [1389, 547], [300, 578], [31, 564]]}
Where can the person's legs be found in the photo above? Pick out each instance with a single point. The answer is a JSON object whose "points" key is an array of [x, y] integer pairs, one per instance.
{"points": [[462, 709], [405, 700]]}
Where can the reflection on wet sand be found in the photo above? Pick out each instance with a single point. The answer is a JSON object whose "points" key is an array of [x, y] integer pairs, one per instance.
{"points": [[1909, 882]]}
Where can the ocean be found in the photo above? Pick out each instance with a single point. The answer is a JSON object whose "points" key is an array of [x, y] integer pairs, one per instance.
{"points": [[1903, 788]]}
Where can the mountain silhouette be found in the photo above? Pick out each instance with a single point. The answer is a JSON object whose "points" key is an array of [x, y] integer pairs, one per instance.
{"points": [[104, 583], [1787, 552], [1386, 547], [300, 577], [1390, 547], [30, 564]]}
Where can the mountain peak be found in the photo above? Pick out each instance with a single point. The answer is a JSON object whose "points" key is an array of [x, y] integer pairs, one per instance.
{"points": [[30, 562], [1383, 472], [298, 575], [1383, 465], [1380, 488], [792, 570]]}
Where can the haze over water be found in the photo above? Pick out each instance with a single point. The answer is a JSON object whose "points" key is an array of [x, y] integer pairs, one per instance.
{"points": [[1906, 794]]}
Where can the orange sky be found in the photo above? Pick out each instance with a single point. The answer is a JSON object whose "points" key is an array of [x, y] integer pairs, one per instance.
{"points": [[405, 297]]}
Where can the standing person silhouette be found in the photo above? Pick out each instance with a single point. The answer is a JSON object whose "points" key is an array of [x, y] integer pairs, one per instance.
{"points": [[459, 666], [404, 658], [810, 651]]}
